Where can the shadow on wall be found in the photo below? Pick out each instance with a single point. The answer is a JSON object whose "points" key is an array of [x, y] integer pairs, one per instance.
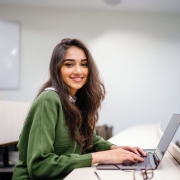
{"points": [[178, 143]]}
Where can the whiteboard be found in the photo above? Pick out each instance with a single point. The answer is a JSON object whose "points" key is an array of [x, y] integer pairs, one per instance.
{"points": [[9, 55]]}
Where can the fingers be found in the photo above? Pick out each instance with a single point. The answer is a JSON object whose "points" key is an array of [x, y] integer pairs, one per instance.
{"points": [[133, 157], [115, 156], [136, 150], [141, 151], [132, 149], [130, 156], [138, 158]]}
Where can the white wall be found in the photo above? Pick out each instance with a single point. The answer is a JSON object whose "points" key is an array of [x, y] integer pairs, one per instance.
{"points": [[137, 55]]}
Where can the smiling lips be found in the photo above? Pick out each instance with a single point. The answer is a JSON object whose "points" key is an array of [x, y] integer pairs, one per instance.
{"points": [[77, 79]]}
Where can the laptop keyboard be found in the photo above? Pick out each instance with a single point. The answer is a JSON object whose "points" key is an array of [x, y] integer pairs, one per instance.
{"points": [[139, 163]]}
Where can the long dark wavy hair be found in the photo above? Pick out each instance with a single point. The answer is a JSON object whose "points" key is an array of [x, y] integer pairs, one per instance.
{"points": [[84, 114]]}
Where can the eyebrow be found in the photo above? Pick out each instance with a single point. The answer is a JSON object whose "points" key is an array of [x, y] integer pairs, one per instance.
{"points": [[74, 60]]}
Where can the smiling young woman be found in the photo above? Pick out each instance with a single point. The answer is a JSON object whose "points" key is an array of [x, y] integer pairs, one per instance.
{"points": [[59, 132]]}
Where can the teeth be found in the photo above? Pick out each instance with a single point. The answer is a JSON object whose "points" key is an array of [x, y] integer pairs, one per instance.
{"points": [[77, 79]]}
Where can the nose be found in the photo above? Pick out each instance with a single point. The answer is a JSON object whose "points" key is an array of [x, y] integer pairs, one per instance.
{"points": [[77, 69]]}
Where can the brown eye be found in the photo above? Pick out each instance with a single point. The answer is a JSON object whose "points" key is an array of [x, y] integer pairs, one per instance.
{"points": [[68, 64], [84, 64]]}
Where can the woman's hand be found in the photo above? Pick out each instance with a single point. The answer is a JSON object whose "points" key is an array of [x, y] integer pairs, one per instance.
{"points": [[136, 150], [116, 156]]}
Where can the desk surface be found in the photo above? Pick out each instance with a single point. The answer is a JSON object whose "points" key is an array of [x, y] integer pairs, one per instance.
{"points": [[144, 136]]}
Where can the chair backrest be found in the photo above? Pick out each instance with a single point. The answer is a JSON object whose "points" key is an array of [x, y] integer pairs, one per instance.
{"points": [[104, 131], [12, 117]]}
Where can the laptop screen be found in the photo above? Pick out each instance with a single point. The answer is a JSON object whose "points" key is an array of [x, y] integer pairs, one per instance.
{"points": [[167, 136]]}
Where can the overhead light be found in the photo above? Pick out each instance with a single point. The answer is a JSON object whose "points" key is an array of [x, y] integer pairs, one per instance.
{"points": [[112, 2]]}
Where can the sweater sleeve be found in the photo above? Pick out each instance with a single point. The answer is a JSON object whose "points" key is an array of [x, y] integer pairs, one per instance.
{"points": [[42, 162], [99, 144]]}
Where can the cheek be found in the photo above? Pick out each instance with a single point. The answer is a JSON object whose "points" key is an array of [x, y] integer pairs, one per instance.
{"points": [[86, 72], [64, 73]]}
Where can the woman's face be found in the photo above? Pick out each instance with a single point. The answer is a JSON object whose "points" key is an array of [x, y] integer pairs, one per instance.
{"points": [[74, 70]]}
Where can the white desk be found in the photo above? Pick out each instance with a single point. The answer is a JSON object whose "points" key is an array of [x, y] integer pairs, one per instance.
{"points": [[144, 136]]}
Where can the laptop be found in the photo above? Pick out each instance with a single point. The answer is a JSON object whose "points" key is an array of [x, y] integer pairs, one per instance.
{"points": [[154, 156]]}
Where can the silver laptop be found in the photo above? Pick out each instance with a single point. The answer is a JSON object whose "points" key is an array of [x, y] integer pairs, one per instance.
{"points": [[154, 156]]}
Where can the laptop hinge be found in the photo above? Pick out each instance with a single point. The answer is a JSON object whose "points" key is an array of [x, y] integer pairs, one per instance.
{"points": [[156, 159]]}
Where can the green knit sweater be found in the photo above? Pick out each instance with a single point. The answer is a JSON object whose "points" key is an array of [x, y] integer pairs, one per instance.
{"points": [[46, 150]]}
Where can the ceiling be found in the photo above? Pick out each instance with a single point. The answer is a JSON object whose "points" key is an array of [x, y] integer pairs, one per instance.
{"points": [[153, 6]]}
